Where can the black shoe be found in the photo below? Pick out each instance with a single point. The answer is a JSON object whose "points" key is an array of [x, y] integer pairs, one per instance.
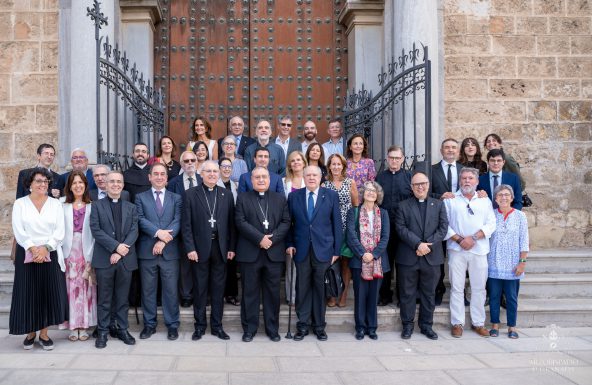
{"points": [[197, 334], [372, 335], [220, 333], [232, 300], [383, 302], [28, 343], [429, 333], [113, 331], [359, 335], [438, 300], [101, 341], [125, 337], [248, 337], [300, 334], [407, 332], [172, 334], [147, 332], [186, 302], [321, 335], [467, 302], [95, 332], [275, 337]]}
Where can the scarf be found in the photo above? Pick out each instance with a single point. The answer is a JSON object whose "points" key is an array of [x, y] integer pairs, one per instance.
{"points": [[370, 236]]}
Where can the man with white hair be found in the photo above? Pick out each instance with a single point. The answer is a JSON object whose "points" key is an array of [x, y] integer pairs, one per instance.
{"points": [[236, 127], [100, 172], [471, 222], [277, 157], [79, 162]]}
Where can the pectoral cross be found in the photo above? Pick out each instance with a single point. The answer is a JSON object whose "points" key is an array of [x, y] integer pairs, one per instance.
{"points": [[266, 224], [212, 221]]}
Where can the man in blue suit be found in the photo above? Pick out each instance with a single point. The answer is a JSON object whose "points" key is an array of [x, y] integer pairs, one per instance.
{"points": [[261, 160], [79, 162], [314, 243], [159, 218], [496, 176]]}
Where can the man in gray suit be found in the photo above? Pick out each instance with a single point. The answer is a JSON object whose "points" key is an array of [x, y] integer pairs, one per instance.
{"points": [[422, 224], [159, 215], [114, 225]]}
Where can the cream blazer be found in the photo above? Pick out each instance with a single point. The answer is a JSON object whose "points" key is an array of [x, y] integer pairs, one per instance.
{"points": [[88, 242]]}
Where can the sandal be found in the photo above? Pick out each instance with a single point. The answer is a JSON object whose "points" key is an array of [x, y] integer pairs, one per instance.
{"points": [[73, 335], [83, 335], [512, 334], [494, 333]]}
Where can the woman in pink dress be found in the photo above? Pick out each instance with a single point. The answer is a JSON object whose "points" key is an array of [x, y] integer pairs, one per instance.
{"points": [[360, 168], [77, 248]]}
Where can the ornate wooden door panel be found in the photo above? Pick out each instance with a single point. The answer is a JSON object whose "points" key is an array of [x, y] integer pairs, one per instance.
{"points": [[255, 58]]}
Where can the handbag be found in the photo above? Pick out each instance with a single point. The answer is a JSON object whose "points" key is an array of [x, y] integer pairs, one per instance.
{"points": [[333, 281], [29, 257], [377, 268], [526, 201], [345, 250]]}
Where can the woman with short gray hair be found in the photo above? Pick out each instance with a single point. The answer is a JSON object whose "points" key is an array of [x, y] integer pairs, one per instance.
{"points": [[239, 166], [506, 260]]}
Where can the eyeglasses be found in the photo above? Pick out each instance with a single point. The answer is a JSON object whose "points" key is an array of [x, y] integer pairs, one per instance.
{"points": [[115, 181], [229, 144], [78, 157], [372, 190], [420, 184], [41, 181], [496, 160], [189, 160], [470, 210], [210, 171], [395, 157], [504, 195], [286, 124], [226, 167]]}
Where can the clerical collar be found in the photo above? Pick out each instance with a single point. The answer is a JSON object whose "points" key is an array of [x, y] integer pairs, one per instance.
{"points": [[209, 188], [421, 200], [261, 193], [114, 200], [140, 166]]}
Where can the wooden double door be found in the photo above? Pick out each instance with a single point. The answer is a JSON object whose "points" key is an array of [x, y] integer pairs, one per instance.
{"points": [[259, 59]]}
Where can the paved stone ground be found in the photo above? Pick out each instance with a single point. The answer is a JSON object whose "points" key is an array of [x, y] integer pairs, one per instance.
{"points": [[541, 356]]}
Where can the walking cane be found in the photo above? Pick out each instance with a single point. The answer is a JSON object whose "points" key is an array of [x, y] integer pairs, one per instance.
{"points": [[289, 333]]}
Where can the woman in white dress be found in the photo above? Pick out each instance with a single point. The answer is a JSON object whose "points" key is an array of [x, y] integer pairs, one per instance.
{"points": [[202, 132]]}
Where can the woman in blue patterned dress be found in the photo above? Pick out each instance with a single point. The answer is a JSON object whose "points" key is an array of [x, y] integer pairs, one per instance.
{"points": [[506, 260], [348, 196]]}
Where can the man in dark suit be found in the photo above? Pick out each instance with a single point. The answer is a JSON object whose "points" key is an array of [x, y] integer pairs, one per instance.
{"points": [[422, 224], [79, 161], [263, 222], [236, 126], [314, 243], [284, 139], [159, 215], [114, 225], [277, 157], [45, 157], [445, 182], [496, 160], [179, 184], [261, 160], [136, 177], [210, 239], [100, 172]]}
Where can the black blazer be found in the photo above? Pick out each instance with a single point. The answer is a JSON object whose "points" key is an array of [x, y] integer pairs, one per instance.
{"points": [[249, 223], [176, 184], [103, 230], [136, 180], [197, 231], [21, 191], [439, 183], [94, 195], [411, 231], [245, 142]]}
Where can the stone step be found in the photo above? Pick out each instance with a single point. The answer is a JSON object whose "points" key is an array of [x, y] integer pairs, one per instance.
{"points": [[560, 260], [559, 286], [531, 313]]}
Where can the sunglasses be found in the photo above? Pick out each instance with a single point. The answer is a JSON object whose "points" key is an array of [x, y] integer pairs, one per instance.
{"points": [[286, 124], [470, 210], [189, 160]]}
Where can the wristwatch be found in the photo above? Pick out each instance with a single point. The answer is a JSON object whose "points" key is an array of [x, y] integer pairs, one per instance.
{"points": [[474, 237]]}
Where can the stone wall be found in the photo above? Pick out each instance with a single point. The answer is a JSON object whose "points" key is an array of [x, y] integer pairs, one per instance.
{"points": [[28, 91], [523, 69]]}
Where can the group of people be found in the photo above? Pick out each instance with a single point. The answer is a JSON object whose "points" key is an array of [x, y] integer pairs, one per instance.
{"points": [[181, 230]]}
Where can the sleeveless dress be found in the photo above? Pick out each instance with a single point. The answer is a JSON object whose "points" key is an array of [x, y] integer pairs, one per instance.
{"points": [[344, 193]]}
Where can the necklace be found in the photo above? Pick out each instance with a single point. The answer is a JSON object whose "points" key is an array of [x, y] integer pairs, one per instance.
{"points": [[211, 220], [265, 222]]}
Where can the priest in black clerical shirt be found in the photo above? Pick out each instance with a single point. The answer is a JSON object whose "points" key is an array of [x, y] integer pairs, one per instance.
{"points": [[421, 223], [209, 238], [136, 177], [263, 222]]}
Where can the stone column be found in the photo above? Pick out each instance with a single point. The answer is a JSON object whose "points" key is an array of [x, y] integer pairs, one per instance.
{"points": [[365, 52], [138, 20]]}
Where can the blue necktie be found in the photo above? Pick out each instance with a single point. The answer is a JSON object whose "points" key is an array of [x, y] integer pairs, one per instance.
{"points": [[495, 184], [310, 205]]}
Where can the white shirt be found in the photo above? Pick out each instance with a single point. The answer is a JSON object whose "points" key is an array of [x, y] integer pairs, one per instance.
{"points": [[186, 181], [331, 148], [101, 194], [465, 224], [315, 195], [34, 228], [283, 145], [499, 180], [454, 174], [141, 166]]}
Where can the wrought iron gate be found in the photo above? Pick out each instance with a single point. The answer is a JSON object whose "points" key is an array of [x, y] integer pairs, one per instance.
{"points": [[128, 107], [400, 113]]}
